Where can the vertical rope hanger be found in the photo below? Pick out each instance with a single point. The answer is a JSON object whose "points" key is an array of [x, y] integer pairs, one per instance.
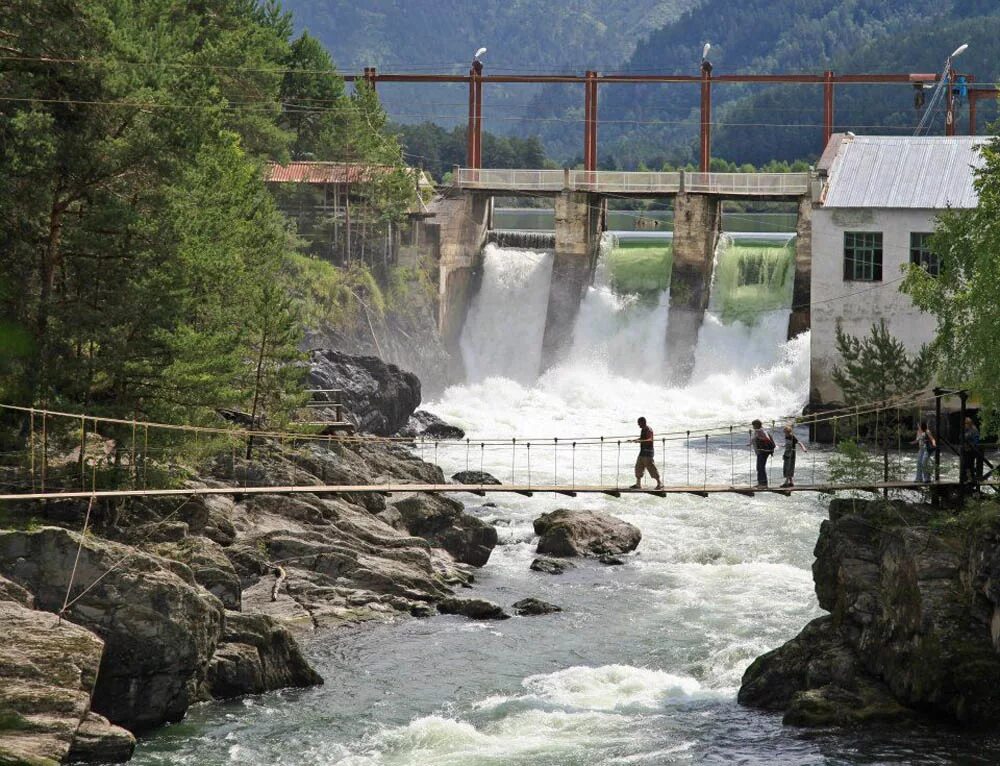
{"points": [[31, 448]]}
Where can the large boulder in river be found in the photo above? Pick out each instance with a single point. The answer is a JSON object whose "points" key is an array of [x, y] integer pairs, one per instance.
{"points": [[48, 669], [378, 398], [257, 654], [444, 523], [473, 608], [584, 533], [530, 607], [474, 478], [430, 426]]}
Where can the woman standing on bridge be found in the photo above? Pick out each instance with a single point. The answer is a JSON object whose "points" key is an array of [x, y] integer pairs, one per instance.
{"points": [[788, 457]]}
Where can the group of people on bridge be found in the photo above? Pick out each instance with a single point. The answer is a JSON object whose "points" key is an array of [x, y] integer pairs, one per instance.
{"points": [[764, 447], [761, 442]]}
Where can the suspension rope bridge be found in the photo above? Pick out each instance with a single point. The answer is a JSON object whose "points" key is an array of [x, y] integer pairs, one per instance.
{"points": [[124, 457]]}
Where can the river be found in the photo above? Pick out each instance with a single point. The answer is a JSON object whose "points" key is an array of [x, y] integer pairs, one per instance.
{"points": [[643, 663]]}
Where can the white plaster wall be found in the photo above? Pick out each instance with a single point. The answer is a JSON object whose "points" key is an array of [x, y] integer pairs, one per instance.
{"points": [[857, 313]]}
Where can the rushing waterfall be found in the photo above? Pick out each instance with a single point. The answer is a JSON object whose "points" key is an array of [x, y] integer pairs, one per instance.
{"points": [[506, 322], [623, 331], [642, 664], [522, 240], [747, 319]]}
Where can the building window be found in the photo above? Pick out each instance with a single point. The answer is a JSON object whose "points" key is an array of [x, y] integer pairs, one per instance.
{"points": [[862, 256], [921, 254]]}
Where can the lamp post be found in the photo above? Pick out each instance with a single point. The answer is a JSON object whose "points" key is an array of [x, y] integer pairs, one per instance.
{"points": [[706, 110], [949, 118], [474, 155]]}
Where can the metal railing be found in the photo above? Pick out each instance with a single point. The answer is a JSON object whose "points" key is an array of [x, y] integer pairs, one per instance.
{"points": [[748, 184], [624, 182], [527, 180], [619, 182]]}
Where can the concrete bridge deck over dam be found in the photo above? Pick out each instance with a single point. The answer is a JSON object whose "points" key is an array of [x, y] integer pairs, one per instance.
{"points": [[458, 229]]}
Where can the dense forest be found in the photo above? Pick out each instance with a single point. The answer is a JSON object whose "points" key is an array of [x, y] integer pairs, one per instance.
{"points": [[146, 271], [438, 150], [655, 125], [778, 36], [442, 35]]}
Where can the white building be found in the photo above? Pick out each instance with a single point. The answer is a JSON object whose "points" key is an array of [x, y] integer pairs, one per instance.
{"points": [[878, 202]]}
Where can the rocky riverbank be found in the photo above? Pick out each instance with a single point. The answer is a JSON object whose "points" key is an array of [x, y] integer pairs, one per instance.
{"points": [[913, 629], [174, 601]]}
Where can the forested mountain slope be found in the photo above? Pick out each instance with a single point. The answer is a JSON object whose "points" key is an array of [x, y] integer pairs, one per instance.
{"points": [[651, 123], [442, 35]]}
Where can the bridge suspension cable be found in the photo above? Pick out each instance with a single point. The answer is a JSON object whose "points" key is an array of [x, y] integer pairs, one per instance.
{"points": [[883, 424]]}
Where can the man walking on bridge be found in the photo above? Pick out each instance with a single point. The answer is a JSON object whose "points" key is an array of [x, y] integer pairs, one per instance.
{"points": [[645, 460]]}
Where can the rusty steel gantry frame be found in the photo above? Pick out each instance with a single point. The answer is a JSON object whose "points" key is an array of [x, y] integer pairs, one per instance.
{"points": [[591, 80]]}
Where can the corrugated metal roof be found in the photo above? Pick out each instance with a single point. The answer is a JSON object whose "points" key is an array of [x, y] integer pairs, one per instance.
{"points": [[928, 172], [319, 172]]}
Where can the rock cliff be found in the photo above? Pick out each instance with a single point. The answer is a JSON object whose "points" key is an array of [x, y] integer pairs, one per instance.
{"points": [[913, 596], [178, 600]]}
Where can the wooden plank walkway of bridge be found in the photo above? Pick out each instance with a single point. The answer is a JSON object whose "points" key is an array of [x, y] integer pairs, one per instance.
{"points": [[482, 489]]}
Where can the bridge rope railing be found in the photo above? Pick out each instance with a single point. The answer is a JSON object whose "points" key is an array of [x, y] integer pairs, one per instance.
{"points": [[699, 455]]}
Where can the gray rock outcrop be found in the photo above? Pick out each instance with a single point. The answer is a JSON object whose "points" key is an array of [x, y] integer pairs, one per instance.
{"points": [[430, 426], [914, 623], [530, 607], [378, 398], [48, 669], [159, 629], [444, 523], [256, 654], [471, 478], [550, 566], [473, 608], [584, 533]]}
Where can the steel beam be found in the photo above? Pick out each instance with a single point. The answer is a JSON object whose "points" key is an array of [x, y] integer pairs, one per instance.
{"points": [[479, 122], [706, 118], [827, 108], [949, 113]]}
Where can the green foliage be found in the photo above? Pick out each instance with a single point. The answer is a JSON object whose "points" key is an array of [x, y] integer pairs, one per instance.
{"points": [[332, 296], [853, 464], [155, 276], [963, 297], [438, 150], [878, 367]]}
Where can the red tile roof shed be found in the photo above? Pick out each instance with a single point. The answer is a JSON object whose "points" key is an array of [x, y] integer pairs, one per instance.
{"points": [[319, 172]]}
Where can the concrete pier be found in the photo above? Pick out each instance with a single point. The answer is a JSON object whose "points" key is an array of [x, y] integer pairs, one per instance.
{"points": [[579, 222], [463, 225], [800, 318], [697, 223]]}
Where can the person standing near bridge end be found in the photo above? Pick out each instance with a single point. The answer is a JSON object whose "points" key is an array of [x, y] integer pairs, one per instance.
{"points": [[645, 460]]}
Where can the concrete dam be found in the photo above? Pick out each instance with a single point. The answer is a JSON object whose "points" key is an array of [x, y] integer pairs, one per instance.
{"points": [[461, 237]]}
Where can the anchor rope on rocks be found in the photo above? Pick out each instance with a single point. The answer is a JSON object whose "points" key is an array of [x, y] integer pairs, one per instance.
{"points": [[69, 603]]}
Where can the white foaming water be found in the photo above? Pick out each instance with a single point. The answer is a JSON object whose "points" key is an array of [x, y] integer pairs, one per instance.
{"points": [[624, 333], [568, 716], [753, 344], [506, 322], [717, 582], [642, 664]]}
